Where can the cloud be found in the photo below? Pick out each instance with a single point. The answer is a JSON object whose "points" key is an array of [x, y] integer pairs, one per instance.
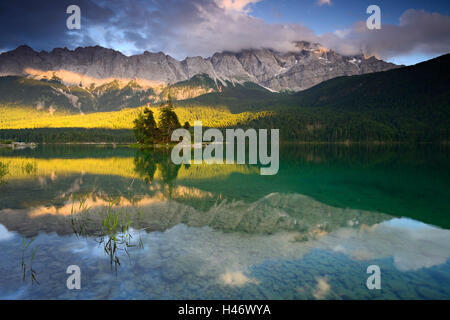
{"points": [[202, 27], [179, 28], [237, 5], [418, 31], [197, 27], [236, 279], [5, 234], [322, 2], [428, 246], [322, 289]]}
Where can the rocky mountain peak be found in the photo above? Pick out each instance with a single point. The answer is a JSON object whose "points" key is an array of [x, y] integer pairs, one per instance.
{"points": [[299, 70]]}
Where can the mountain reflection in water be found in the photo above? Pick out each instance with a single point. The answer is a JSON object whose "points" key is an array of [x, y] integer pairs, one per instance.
{"points": [[224, 231]]}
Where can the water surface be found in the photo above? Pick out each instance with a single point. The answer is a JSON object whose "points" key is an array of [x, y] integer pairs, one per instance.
{"points": [[140, 227]]}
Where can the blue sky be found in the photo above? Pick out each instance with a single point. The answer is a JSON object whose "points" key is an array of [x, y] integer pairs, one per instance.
{"points": [[341, 13], [202, 27]]}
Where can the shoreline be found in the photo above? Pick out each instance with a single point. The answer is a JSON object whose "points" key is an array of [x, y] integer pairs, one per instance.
{"points": [[32, 145], [19, 145], [133, 144]]}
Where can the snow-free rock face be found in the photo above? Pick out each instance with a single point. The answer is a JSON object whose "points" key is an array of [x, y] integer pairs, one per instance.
{"points": [[299, 70]]}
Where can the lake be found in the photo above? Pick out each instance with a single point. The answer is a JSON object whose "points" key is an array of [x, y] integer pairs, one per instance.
{"points": [[140, 227]]}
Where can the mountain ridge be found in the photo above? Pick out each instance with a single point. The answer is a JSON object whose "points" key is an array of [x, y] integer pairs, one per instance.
{"points": [[277, 71]]}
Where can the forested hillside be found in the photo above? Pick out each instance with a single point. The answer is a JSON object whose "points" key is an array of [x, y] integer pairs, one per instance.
{"points": [[425, 86]]}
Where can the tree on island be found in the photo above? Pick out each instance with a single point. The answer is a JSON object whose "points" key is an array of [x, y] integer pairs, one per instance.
{"points": [[145, 129], [168, 121], [147, 132]]}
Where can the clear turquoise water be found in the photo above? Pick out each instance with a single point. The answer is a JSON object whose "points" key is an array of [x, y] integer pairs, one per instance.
{"points": [[225, 232]]}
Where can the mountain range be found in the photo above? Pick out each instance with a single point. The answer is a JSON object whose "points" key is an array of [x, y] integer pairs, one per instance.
{"points": [[139, 79], [299, 70]]}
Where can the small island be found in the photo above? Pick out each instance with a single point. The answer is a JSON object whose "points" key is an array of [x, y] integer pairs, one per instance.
{"points": [[148, 133]]}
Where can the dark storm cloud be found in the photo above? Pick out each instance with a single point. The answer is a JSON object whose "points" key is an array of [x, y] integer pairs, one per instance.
{"points": [[42, 24]]}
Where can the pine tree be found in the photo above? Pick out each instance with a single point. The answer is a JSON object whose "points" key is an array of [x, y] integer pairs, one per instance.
{"points": [[145, 129], [168, 121]]}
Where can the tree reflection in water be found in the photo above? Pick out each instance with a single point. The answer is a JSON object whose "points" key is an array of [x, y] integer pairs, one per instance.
{"points": [[148, 162]]}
